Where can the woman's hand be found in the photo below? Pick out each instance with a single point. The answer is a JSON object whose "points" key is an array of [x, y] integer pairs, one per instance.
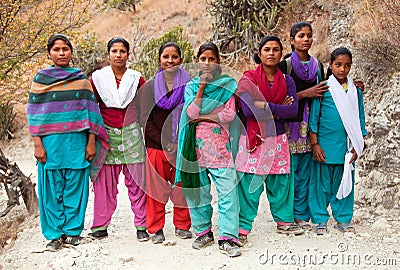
{"points": [[318, 153], [288, 101], [40, 152], [90, 151], [354, 157], [260, 104], [205, 78], [315, 91], [359, 84]]}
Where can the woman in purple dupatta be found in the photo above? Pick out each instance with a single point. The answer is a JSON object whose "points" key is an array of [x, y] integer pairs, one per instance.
{"points": [[161, 107], [307, 74]]}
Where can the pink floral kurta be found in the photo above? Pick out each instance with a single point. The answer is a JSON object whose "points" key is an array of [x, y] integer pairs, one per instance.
{"points": [[271, 157], [213, 145]]}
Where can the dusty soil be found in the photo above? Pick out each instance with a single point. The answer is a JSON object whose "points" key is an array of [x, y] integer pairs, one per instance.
{"points": [[374, 246]]}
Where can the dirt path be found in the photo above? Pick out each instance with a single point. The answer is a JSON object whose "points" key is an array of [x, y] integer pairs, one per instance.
{"points": [[374, 244]]}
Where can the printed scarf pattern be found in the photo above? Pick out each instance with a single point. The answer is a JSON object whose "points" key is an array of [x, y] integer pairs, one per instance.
{"points": [[61, 100]]}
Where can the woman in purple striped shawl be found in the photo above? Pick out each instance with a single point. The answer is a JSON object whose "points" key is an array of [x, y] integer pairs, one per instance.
{"points": [[70, 142]]}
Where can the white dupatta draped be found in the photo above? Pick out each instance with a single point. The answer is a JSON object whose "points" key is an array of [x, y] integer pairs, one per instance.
{"points": [[347, 105], [113, 97]]}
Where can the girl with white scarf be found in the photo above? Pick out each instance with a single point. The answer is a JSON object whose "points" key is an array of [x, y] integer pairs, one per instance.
{"points": [[337, 127]]}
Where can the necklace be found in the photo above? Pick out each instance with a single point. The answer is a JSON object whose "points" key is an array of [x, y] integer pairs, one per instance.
{"points": [[118, 80]]}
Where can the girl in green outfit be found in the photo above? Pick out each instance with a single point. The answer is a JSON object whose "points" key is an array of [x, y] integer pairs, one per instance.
{"points": [[337, 127]]}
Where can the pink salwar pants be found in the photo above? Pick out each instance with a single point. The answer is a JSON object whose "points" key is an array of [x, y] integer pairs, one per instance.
{"points": [[105, 194]]}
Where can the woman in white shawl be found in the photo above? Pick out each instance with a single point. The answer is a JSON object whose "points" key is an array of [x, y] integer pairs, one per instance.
{"points": [[337, 127], [115, 87]]}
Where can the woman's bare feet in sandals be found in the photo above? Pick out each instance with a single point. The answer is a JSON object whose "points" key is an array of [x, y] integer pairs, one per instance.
{"points": [[344, 227], [321, 228], [303, 224]]}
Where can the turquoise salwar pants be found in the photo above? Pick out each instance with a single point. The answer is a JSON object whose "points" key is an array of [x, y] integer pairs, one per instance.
{"points": [[279, 189], [63, 196], [228, 206], [302, 172], [324, 184]]}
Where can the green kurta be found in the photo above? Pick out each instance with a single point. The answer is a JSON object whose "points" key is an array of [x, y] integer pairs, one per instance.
{"points": [[63, 184], [326, 122], [65, 151]]}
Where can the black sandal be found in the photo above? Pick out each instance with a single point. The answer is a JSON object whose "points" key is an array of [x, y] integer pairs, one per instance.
{"points": [[54, 245], [71, 240]]}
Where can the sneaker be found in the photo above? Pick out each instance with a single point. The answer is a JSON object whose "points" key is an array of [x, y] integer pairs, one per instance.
{"points": [[289, 228], [54, 245], [71, 240], [97, 235], [158, 237], [142, 235], [229, 248], [242, 240], [184, 234], [203, 241]]}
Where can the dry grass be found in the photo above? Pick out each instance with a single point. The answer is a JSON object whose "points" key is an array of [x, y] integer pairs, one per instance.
{"points": [[155, 18], [313, 12], [9, 229], [377, 33]]}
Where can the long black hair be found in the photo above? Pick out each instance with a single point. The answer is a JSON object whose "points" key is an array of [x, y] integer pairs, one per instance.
{"points": [[335, 54], [297, 28], [262, 43]]}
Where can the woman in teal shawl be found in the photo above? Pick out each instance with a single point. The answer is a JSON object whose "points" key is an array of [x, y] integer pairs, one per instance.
{"points": [[204, 148], [70, 143]]}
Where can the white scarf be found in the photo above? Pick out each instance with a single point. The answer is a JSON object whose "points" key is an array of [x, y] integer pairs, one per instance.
{"points": [[113, 97], [347, 106]]}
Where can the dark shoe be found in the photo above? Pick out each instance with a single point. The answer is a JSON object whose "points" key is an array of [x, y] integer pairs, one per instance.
{"points": [[203, 241], [242, 240], [229, 248], [54, 245], [97, 235], [71, 240], [184, 234], [142, 235], [158, 237]]}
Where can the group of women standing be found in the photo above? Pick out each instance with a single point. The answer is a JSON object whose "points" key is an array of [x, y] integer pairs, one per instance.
{"points": [[241, 136]]}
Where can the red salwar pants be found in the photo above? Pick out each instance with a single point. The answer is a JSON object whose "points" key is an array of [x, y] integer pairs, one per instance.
{"points": [[160, 176]]}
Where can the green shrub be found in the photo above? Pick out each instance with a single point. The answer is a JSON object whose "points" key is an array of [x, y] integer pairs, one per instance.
{"points": [[241, 24], [89, 53], [148, 62]]}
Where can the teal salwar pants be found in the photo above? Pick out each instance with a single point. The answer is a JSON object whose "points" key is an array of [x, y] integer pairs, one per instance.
{"points": [[279, 189], [324, 184], [63, 196], [302, 172], [228, 207]]}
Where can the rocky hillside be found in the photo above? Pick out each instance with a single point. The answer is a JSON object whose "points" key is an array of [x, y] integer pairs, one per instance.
{"points": [[379, 168]]}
